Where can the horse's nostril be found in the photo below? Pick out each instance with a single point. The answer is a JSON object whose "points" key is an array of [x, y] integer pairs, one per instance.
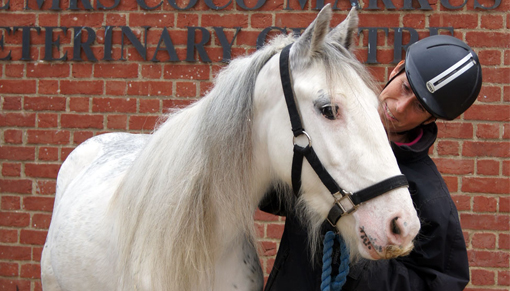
{"points": [[394, 226]]}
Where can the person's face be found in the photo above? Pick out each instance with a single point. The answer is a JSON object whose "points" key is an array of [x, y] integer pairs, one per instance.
{"points": [[399, 108]]}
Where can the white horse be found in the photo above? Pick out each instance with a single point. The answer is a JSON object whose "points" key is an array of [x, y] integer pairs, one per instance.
{"points": [[174, 210]]}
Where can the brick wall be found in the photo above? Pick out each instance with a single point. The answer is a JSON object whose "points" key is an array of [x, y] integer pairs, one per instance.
{"points": [[47, 108]]}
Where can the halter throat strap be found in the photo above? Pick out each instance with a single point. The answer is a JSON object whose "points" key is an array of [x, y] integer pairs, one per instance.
{"points": [[345, 202]]}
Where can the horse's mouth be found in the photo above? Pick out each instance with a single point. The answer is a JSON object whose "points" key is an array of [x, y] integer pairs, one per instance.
{"points": [[377, 251], [369, 242]]}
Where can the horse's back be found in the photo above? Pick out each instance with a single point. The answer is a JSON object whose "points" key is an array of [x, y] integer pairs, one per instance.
{"points": [[80, 232]]}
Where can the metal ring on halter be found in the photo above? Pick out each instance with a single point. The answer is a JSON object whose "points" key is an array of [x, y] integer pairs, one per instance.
{"points": [[306, 135]]}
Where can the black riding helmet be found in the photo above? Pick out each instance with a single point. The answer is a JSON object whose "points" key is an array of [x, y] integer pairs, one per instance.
{"points": [[444, 74]]}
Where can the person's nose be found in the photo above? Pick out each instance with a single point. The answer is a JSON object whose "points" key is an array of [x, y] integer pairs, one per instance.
{"points": [[404, 103]]}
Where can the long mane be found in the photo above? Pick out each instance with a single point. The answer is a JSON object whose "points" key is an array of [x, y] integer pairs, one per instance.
{"points": [[195, 168]]}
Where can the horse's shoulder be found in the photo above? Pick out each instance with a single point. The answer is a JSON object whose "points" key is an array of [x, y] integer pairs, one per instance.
{"points": [[102, 146]]}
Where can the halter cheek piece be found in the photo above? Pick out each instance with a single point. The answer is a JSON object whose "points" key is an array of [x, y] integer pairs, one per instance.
{"points": [[345, 202]]}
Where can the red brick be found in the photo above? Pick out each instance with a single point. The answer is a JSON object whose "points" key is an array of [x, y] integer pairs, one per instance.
{"points": [[152, 71], [47, 120], [11, 103], [482, 277], [454, 129], [42, 170], [275, 230], [451, 183], [48, 70], [185, 89], [142, 122], [15, 186], [17, 86], [48, 154], [14, 219], [489, 93], [11, 202], [81, 70], [225, 20], [269, 248], [175, 103], [81, 136], [48, 137], [13, 136], [504, 241], [117, 88], [261, 20], [459, 21], [17, 153], [45, 187], [149, 106], [487, 39], [375, 20], [8, 269], [15, 253], [17, 119], [264, 216], [117, 122], [18, 19], [11, 169], [486, 149], [8, 236], [45, 103], [462, 202], [79, 104], [189, 72], [155, 20], [487, 167], [127, 105], [48, 87], [41, 221], [150, 88], [64, 153], [32, 237], [484, 241], [504, 278], [14, 70], [81, 121], [488, 112], [487, 131], [496, 74], [484, 221], [486, 185], [489, 57], [485, 204], [38, 203], [455, 166], [504, 204], [32, 271], [81, 87], [488, 259], [82, 19], [116, 70]]}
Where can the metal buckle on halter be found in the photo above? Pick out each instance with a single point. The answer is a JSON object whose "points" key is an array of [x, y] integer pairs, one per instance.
{"points": [[345, 202]]}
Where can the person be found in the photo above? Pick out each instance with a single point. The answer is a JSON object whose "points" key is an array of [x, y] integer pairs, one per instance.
{"points": [[439, 79]]}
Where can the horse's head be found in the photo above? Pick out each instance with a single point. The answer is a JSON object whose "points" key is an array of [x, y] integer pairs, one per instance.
{"points": [[338, 109]]}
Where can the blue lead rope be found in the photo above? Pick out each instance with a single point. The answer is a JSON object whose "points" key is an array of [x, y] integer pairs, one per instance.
{"points": [[327, 284]]}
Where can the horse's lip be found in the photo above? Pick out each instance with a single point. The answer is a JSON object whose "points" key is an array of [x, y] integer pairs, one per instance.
{"points": [[372, 250], [370, 246]]}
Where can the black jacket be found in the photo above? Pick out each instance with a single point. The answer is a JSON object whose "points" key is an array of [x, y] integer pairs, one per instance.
{"points": [[438, 262]]}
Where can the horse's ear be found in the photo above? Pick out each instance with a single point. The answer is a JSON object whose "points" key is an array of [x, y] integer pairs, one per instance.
{"points": [[345, 31], [312, 39]]}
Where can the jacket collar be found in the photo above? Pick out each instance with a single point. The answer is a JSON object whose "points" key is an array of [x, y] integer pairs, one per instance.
{"points": [[408, 153]]}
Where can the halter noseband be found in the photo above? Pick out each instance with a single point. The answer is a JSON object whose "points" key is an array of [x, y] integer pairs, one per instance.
{"points": [[345, 202]]}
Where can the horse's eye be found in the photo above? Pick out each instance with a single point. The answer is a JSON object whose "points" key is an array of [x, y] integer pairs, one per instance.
{"points": [[329, 111]]}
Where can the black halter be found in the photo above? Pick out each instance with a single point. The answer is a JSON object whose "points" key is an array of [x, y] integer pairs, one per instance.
{"points": [[345, 202]]}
